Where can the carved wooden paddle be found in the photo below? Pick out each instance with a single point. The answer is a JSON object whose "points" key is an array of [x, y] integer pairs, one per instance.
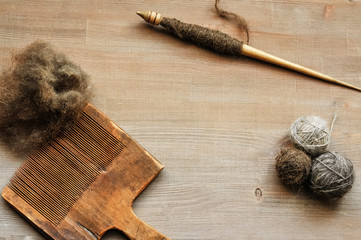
{"points": [[84, 182]]}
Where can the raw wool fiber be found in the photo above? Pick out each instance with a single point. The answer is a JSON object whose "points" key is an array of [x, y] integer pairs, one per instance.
{"points": [[332, 175], [40, 94], [239, 20], [293, 167], [311, 134]]}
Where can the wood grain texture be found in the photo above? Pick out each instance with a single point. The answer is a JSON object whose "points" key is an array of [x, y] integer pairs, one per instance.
{"points": [[215, 123]]}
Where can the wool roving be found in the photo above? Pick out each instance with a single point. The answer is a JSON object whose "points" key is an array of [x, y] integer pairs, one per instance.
{"points": [[331, 176], [293, 167], [311, 134], [40, 94]]}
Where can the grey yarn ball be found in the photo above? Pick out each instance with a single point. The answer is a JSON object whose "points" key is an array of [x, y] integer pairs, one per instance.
{"points": [[332, 175], [311, 134]]}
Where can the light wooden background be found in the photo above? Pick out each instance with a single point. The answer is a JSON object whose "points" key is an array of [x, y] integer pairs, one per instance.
{"points": [[216, 123]]}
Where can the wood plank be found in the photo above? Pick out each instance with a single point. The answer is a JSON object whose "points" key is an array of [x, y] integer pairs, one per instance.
{"points": [[215, 123]]}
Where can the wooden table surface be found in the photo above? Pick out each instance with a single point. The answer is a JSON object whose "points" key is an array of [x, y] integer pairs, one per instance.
{"points": [[215, 122]]}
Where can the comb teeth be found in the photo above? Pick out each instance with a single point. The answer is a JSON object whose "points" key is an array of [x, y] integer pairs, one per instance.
{"points": [[54, 177]]}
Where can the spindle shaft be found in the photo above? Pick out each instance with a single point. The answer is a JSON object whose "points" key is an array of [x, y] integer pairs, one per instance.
{"points": [[263, 56]]}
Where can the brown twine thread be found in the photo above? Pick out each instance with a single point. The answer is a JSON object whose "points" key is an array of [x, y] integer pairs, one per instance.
{"points": [[240, 21]]}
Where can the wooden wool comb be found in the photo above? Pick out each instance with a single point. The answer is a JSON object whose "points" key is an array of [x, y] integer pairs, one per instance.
{"points": [[84, 182]]}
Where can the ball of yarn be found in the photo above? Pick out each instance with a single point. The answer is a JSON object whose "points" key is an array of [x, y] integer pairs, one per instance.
{"points": [[293, 167], [310, 133], [331, 175]]}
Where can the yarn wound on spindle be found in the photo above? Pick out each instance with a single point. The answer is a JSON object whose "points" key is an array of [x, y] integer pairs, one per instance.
{"points": [[293, 167], [311, 134], [41, 92], [331, 176], [214, 40]]}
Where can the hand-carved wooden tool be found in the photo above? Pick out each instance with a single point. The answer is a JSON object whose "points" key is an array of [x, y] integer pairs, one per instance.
{"points": [[222, 43], [84, 182]]}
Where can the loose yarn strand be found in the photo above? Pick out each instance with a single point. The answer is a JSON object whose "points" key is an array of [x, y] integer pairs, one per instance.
{"points": [[332, 123], [240, 21]]}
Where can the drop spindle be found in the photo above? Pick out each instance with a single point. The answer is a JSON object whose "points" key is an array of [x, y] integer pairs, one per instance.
{"points": [[222, 43]]}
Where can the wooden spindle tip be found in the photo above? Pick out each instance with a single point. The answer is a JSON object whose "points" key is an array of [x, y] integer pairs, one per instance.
{"points": [[142, 14], [150, 17]]}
